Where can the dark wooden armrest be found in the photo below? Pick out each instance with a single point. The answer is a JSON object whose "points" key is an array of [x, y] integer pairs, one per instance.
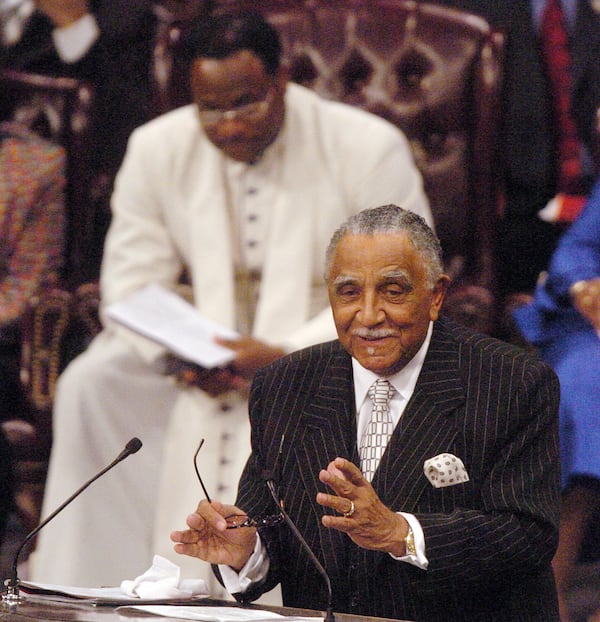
{"points": [[87, 304], [44, 328]]}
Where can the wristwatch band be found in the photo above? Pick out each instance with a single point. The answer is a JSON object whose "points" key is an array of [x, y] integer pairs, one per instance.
{"points": [[409, 542]]}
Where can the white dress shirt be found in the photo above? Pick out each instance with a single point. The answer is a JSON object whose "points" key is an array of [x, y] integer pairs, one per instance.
{"points": [[404, 383]]}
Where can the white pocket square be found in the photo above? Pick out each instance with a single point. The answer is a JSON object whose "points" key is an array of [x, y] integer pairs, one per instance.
{"points": [[445, 470]]}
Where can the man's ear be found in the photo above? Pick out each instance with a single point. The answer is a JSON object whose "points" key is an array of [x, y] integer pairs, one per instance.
{"points": [[438, 295]]}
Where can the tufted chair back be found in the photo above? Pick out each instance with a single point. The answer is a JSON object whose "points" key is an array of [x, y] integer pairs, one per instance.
{"points": [[432, 71]]}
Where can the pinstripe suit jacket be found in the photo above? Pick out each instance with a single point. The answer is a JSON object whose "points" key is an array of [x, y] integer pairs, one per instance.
{"points": [[489, 541]]}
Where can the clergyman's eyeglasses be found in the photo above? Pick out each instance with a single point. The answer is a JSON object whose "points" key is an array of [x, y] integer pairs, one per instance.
{"points": [[252, 112], [236, 521]]}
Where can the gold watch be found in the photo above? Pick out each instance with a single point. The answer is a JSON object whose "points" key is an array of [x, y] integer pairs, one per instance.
{"points": [[409, 542]]}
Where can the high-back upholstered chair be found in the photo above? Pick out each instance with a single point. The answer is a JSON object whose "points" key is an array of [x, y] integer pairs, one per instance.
{"points": [[59, 109], [432, 71]]}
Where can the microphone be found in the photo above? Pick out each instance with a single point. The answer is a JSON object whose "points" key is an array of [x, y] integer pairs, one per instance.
{"points": [[268, 477], [12, 584]]}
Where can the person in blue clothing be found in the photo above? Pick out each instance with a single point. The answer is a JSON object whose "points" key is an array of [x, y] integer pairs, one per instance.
{"points": [[563, 323]]}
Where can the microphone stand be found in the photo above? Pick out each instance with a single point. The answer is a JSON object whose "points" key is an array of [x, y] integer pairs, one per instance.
{"points": [[12, 595], [329, 616]]}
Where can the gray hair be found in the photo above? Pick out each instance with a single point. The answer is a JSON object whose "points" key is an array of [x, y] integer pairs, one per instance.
{"points": [[391, 219]]}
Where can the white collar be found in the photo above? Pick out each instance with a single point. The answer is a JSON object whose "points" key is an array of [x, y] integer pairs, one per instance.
{"points": [[403, 381]]}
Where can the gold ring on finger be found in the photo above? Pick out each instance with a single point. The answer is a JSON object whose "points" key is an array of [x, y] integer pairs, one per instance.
{"points": [[349, 513]]}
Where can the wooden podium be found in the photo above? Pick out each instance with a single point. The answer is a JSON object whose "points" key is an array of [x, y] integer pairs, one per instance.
{"points": [[46, 610]]}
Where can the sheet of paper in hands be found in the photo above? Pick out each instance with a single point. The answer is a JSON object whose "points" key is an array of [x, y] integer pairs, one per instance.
{"points": [[162, 316]]}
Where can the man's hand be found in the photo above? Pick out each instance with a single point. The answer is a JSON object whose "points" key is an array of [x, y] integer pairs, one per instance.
{"points": [[250, 355], [63, 12], [371, 525], [214, 381], [209, 539]]}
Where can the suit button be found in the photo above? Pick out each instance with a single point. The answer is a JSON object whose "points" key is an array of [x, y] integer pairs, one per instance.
{"points": [[354, 602]]}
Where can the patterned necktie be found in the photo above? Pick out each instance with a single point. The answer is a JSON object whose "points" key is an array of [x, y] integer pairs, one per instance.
{"points": [[379, 430], [555, 46]]}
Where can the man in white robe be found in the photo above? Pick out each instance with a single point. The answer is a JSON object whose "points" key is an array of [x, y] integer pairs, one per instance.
{"points": [[241, 192]]}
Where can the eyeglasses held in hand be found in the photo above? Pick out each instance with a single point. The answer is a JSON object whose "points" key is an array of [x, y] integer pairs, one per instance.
{"points": [[236, 521]]}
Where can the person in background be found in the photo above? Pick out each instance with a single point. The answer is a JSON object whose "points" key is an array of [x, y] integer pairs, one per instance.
{"points": [[551, 137], [109, 44], [32, 213], [418, 459], [563, 323], [241, 191]]}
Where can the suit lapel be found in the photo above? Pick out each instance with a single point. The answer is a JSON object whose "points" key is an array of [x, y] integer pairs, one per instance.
{"points": [[426, 427], [326, 429], [328, 424]]}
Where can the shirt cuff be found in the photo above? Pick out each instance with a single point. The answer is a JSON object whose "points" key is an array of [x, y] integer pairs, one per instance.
{"points": [[74, 41], [419, 560], [254, 571]]}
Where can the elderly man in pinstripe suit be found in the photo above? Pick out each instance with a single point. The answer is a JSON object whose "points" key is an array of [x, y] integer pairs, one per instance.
{"points": [[459, 520]]}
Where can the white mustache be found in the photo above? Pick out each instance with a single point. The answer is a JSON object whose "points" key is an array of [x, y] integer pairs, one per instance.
{"points": [[374, 333]]}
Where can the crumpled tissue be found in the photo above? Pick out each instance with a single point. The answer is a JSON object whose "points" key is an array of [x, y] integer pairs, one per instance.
{"points": [[163, 580]]}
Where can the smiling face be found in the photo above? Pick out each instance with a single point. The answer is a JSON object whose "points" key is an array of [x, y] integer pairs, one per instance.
{"points": [[229, 84], [381, 299]]}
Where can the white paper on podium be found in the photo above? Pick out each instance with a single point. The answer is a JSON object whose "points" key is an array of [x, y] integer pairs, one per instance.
{"points": [[215, 614], [96, 596], [164, 317]]}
